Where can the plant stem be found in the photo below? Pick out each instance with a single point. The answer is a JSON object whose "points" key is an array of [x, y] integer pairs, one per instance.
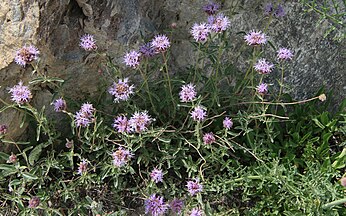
{"points": [[336, 202], [169, 82]]}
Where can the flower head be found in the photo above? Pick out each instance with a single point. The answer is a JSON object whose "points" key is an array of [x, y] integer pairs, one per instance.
{"points": [[85, 115], [121, 90], [255, 38], [219, 23], [121, 157], [227, 123], [343, 181], [279, 12], [26, 55], [160, 43], [132, 59], [208, 138], [34, 202], [140, 121], [156, 175], [284, 54], [59, 105], [69, 143], [211, 8], [188, 93], [194, 187], [200, 32], [121, 124], [155, 205], [199, 113], [88, 42], [268, 9], [83, 167], [20, 94], [12, 158], [263, 67], [176, 205], [196, 212], [3, 129], [262, 88], [147, 50]]}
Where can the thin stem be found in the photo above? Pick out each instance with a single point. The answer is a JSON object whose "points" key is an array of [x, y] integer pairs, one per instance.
{"points": [[336, 202], [148, 90], [168, 81]]}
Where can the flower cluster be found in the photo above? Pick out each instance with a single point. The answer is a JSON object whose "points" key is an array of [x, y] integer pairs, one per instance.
{"points": [[85, 115], [88, 42], [132, 58], [121, 90], [155, 205], [20, 94], [121, 124], [194, 187], [262, 88], [199, 113], [59, 105], [219, 23], [255, 38], [147, 50], [139, 121], [160, 43], [34, 202], [121, 157], [263, 67], [278, 11], [200, 31], [284, 54], [12, 158], [227, 123], [3, 129], [156, 175], [188, 93], [83, 167], [196, 212], [211, 8], [26, 55], [176, 206], [208, 138]]}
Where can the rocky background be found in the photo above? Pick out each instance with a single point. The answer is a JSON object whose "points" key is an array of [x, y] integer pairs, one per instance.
{"points": [[55, 27]]}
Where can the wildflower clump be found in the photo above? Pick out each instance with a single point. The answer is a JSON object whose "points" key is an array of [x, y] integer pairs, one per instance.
{"points": [[26, 55]]}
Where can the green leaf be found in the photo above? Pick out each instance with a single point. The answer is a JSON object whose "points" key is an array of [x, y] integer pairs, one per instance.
{"points": [[35, 154], [29, 176], [318, 123], [18, 143], [4, 156], [7, 167]]}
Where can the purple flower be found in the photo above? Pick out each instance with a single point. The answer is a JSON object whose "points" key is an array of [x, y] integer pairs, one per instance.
{"points": [[155, 205], [132, 59], [343, 181], [156, 175], [188, 93], [121, 124], [220, 23], [262, 88], [140, 121], [20, 94], [279, 12], [160, 43], [26, 55], [83, 167], [146, 50], [200, 32], [12, 158], [69, 143], [211, 8], [176, 205], [121, 90], [255, 38], [59, 105], [284, 54], [3, 129], [263, 67], [34, 202], [268, 9], [196, 212], [88, 42], [199, 113], [227, 123], [194, 187], [208, 138], [85, 115], [121, 157]]}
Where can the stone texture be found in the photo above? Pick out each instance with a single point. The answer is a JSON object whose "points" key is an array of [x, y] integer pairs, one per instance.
{"points": [[55, 26]]}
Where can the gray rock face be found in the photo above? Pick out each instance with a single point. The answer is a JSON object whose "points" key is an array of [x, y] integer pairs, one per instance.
{"points": [[56, 26]]}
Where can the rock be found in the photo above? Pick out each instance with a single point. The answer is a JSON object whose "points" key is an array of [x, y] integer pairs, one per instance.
{"points": [[56, 27]]}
